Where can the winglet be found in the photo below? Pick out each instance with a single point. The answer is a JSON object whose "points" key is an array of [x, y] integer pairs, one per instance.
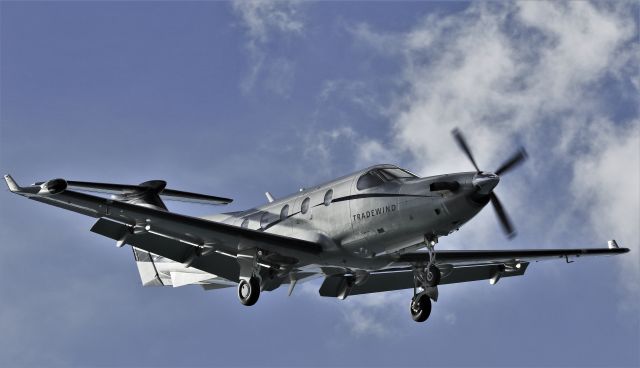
{"points": [[613, 244], [13, 186]]}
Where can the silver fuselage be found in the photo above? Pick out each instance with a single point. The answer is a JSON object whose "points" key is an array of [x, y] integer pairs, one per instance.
{"points": [[391, 217]]}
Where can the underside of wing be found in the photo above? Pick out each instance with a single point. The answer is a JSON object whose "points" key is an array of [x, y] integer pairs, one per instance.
{"points": [[455, 266]]}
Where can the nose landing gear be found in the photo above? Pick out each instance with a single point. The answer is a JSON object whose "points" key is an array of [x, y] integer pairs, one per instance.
{"points": [[428, 278]]}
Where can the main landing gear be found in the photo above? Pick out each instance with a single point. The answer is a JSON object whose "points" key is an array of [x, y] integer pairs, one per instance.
{"points": [[249, 291], [249, 285], [428, 278]]}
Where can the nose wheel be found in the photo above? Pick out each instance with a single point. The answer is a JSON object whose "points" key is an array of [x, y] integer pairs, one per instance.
{"points": [[420, 307], [249, 291]]}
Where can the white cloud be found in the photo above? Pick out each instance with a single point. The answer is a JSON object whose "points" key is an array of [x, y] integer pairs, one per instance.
{"points": [[531, 71], [319, 147], [495, 70], [263, 20], [541, 74], [607, 183]]}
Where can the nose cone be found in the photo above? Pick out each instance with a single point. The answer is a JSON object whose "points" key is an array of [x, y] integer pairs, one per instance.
{"points": [[484, 182]]}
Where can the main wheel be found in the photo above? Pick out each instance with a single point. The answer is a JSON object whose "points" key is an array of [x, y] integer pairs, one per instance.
{"points": [[433, 276], [420, 308], [249, 291]]}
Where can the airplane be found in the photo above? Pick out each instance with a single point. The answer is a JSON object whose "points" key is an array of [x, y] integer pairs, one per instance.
{"points": [[361, 232]]}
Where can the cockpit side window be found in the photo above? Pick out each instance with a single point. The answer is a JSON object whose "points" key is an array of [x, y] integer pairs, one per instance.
{"points": [[369, 180]]}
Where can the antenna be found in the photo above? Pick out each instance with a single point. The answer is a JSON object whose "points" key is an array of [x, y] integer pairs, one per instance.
{"points": [[269, 196]]}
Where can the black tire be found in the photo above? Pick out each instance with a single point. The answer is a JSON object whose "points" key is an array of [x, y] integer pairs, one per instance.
{"points": [[249, 291], [433, 276], [420, 308]]}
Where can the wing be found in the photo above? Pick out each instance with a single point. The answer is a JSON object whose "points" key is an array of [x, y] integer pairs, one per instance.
{"points": [[459, 266], [206, 245]]}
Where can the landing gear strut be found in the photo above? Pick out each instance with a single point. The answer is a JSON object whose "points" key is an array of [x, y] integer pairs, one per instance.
{"points": [[249, 286], [249, 291], [425, 277]]}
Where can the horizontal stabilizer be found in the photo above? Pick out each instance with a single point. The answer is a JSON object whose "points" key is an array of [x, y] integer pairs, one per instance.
{"points": [[156, 185]]}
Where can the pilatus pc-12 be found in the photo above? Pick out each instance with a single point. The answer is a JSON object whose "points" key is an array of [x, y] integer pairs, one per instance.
{"points": [[360, 232]]}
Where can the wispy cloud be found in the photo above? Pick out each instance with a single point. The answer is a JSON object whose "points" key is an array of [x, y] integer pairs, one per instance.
{"points": [[262, 21], [262, 18]]}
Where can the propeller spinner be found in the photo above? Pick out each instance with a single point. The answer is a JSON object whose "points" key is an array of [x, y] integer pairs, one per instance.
{"points": [[485, 182]]}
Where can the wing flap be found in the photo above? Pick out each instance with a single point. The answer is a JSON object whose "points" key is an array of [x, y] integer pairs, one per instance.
{"points": [[174, 250], [399, 280]]}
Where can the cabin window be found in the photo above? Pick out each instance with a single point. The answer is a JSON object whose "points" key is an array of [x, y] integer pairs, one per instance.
{"points": [[284, 212], [328, 196], [304, 208], [369, 180], [245, 223]]}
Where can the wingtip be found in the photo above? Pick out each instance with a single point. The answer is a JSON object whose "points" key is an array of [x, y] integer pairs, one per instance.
{"points": [[13, 186]]}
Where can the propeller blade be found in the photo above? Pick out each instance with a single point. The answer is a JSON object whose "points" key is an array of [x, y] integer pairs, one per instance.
{"points": [[511, 163], [457, 134], [507, 226]]}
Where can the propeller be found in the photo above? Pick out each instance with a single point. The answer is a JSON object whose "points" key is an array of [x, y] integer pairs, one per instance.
{"points": [[488, 181]]}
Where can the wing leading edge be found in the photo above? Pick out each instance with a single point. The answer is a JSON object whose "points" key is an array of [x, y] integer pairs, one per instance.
{"points": [[475, 257]]}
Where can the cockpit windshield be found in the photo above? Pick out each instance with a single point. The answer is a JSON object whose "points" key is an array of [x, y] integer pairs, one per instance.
{"points": [[378, 177]]}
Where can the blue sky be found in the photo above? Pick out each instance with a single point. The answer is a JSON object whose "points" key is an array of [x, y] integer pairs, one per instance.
{"points": [[234, 99]]}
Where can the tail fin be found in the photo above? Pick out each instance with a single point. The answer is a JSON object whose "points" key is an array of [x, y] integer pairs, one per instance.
{"points": [[147, 269]]}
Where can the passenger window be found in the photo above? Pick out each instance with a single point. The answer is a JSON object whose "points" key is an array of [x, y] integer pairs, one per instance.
{"points": [[284, 212], [328, 196], [305, 205], [369, 180]]}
